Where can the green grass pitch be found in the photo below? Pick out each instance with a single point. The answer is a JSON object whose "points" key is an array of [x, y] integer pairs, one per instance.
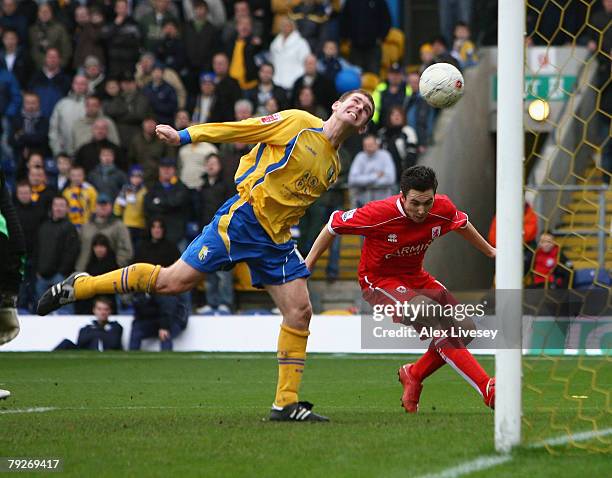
{"points": [[156, 414]]}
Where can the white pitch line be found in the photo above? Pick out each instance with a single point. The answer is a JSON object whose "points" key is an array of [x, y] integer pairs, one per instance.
{"points": [[28, 410], [565, 439], [478, 464], [484, 462]]}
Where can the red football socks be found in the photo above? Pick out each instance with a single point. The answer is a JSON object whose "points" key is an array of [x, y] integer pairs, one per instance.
{"points": [[427, 364], [464, 363]]}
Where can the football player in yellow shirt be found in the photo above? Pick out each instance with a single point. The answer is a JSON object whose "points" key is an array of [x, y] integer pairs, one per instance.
{"points": [[294, 161]]}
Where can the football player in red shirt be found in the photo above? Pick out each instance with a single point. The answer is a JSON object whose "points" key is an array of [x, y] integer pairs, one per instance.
{"points": [[398, 231]]}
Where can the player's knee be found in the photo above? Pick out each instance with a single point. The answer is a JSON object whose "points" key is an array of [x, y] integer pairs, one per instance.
{"points": [[169, 282], [300, 315]]}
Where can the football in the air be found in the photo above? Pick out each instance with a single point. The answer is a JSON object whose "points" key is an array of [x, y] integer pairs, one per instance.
{"points": [[441, 85]]}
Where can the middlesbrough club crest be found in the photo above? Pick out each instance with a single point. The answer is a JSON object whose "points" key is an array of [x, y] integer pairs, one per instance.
{"points": [[436, 231]]}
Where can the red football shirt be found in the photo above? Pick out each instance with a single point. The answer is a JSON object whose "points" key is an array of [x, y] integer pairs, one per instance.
{"points": [[394, 244]]}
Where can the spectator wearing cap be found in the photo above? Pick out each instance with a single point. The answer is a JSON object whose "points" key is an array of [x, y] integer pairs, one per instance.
{"points": [[50, 83], [129, 204], [204, 105], [161, 95], [265, 90], [391, 92], [201, 40], [65, 114], [88, 155], [106, 177], [103, 222], [227, 88], [128, 109], [15, 58], [151, 24], [94, 72], [323, 89], [47, 33], [123, 40], [168, 199], [427, 56], [144, 76], [288, 51], [81, 197], [87, 36], [146, 150]]}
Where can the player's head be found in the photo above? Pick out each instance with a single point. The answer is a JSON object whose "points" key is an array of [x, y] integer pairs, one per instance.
{"points": [[418, 185], [356, 108]]}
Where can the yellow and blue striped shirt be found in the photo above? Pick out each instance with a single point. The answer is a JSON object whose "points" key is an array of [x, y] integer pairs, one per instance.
{"points": [[291, 165]]}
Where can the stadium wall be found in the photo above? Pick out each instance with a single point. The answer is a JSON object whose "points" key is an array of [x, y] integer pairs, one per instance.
{"points": [[463, 157], [329, 334]]}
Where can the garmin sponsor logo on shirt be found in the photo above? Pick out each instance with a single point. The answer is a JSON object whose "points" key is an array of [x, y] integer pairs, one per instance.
{"points": [[410, 250]]}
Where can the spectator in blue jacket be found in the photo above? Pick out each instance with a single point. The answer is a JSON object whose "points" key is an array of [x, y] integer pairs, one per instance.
{"points": [[161, 96], [30, 129], [10, 96], [50, 83], [101, 334]]}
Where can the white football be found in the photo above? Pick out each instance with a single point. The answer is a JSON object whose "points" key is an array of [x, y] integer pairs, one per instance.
{"points": [[441, 85]]}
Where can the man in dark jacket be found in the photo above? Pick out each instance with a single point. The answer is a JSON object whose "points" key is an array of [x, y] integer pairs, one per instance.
{"points": [[88, 155], [15, 58], [123, 41], [366, 24], [168, 199], [161, 96], [101, 334], [50, 83], [128, 109], [30, 217], [265, 90], [163, 316], [57, 248], [227, 88], [106, 177], [322, 87], [200, 38], [146, 150], [30, 129]]}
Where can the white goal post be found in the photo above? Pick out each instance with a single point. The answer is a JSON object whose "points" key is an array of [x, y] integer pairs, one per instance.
{"points": [[509, 207]]}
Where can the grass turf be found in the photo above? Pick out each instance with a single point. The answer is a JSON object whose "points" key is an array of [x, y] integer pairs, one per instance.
{"points": [[143, 414]]}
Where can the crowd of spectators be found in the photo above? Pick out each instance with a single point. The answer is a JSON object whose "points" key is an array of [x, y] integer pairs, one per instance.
{"points": [[83, 85]]}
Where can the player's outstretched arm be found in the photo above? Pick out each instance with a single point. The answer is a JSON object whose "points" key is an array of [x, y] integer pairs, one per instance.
{"points": [[321, 244], [167, 134], [470, 234]]}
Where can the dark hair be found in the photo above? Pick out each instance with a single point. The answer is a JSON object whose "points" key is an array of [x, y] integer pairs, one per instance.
{"points": [[419, 178], [101, 240], [23, 182], [440, 39], [59, 196], [392, 110], [461, 24], [9, 30], [63, 154], [267, 63]]}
